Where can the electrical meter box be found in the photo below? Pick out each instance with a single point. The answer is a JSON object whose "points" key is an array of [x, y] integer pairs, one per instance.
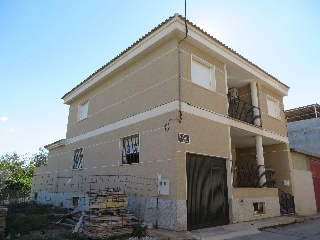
{"points": [[163, 187]]}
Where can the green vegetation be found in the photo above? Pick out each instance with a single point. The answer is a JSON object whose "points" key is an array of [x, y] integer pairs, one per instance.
{"points": [[16, 172], [24, 218]]}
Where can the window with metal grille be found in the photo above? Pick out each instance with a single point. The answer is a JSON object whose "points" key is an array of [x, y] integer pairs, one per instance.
{"points": [[75, 201], [78, 158], [203, 73], [130, 149], [273, 107], [83, 111]]}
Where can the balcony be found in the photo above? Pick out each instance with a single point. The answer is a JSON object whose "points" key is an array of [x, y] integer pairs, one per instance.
{"points": [[243, 111]]}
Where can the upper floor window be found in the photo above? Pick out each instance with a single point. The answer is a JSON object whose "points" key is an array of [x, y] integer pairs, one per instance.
{"points": [[83, 111], [273, 107], [130, 149], [203, 73], [78, 158]]}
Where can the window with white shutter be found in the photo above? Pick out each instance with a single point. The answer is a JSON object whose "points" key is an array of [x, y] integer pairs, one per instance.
{"points": [[273, 108], [202, 73], [83, 111]]}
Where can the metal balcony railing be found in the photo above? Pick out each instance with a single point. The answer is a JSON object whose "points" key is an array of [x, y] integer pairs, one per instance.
{"points": [[243, 111]]}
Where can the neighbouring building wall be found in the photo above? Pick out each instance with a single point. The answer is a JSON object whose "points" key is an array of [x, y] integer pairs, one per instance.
{"points": [[304, 198], [304, 135], [300, 161]]}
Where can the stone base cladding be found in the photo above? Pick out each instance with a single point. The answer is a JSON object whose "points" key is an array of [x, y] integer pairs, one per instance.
{"points": [[166, 214], [63, 200], [241, 210]]}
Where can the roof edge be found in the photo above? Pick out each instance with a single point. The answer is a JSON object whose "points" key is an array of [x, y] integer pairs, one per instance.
{"points": [[59, 143], [177, 16], [304, 152]]}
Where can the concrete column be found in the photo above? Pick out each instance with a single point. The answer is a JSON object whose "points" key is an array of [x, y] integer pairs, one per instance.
{"points": [[229, 167], [255, 102], [260, 160]]}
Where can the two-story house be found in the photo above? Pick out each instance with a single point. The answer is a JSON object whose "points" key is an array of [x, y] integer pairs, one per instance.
{"points": [[192, 131]]}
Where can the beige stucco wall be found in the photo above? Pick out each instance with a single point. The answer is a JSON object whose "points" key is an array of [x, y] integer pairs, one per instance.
{"points": [[271, 123], [278, 157], [304, 198], [243, 199], [102, 162], [215, 101], [300, 161], [137, 88], [254, 192], [245, 93], [206, 138]]}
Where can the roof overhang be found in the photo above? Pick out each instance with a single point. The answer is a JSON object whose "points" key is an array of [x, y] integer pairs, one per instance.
{"points": [[56, 144]]}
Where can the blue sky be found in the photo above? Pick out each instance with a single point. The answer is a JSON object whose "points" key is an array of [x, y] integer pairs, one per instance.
{"points": [[48, 47]]}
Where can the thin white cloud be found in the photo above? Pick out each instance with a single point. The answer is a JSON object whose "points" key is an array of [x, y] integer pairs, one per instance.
{"points": [[3, 119], [11, 130]]}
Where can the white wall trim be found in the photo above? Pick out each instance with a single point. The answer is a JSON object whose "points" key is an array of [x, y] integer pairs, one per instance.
{"points": [[172, 106], [169, 107], [231, 122]]}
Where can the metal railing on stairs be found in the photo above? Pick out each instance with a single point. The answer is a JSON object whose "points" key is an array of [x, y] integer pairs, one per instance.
{"points": [[286, 201], [247, 176]]}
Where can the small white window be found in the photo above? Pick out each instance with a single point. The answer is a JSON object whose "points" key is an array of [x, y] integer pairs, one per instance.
{"points": [[130, 149], [78, 158], [273, 108], [203, 73], [83, 111]]}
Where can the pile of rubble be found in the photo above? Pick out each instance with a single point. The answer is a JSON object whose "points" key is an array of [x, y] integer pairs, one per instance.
{"points": [[107, 216]]}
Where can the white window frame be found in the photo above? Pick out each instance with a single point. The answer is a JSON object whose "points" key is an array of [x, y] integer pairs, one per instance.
{"points": [[78, 163], [275, 113], [130, 149], [212, 73], [81, 108]]}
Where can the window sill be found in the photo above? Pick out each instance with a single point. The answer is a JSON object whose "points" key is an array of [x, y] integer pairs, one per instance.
{"points": [[127, 164], [258, 214], [277, 118]]}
